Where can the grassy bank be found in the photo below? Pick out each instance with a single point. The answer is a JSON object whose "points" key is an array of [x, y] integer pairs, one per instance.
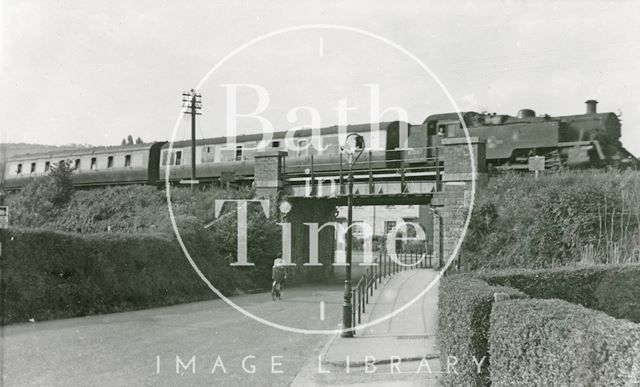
{"points": [[573, 217]]}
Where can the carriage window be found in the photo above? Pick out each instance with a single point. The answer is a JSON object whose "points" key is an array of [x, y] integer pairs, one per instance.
{"points": [[33, 167], [227, 154], [19, 170], [127, 160], [178, 157], [77, 166], [441, 130], [164, 157], [110, 162], [275, 144], [94, 163], [47, 166], [208, 155], [239, 153]]}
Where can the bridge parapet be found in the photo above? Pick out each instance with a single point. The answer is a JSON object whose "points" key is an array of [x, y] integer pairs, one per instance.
{"points": [[457, 161], [453, 203], [398, 173], [267, 175]]}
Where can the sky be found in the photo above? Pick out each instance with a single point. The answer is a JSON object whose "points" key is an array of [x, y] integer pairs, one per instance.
{"points": [[95, 71]]}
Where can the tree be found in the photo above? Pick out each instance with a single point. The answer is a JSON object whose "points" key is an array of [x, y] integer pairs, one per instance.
{"points": [[129, 140], [43, 198], [139, 140], [61, 186], [124, 142]]}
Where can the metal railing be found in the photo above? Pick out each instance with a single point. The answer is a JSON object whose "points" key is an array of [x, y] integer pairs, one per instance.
{"points": [[405, 164], [385, 267], [412, 158]]}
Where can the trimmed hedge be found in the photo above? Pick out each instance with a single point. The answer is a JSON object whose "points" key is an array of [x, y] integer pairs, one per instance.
{"points": [[612, 289], [542, 342], [48, 275], [555, 343], [464, 309]]}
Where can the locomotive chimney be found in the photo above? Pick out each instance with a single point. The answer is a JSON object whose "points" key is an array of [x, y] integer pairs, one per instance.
{"points": [[591, 106]]}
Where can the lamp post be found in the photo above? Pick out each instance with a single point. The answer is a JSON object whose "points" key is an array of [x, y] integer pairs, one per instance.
{"points": [[347, 306]]}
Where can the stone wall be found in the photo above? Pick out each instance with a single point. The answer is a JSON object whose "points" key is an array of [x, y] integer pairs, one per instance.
{"points": [[453, 203], [267, 177]]}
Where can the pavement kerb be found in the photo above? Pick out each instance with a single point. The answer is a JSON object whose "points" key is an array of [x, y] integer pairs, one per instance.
{"points": [[365, 319], [302, 376], [336, 335], [327, 345], [358, 364]]}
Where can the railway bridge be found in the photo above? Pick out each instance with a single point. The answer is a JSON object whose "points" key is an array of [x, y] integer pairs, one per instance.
{"points": [[441, 183]]}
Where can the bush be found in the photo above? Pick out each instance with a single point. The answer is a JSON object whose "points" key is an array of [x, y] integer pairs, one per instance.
{"points": [[612, 289], [137, 209], [560, 219], [42, 198], [464, 308], [555, 343], [134, 208], [49, 274]]}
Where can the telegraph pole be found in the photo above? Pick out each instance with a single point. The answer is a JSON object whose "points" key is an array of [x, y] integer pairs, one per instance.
{"points": [[193, 103]]}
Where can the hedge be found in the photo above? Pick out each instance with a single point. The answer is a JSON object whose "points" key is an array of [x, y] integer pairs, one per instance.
{"points": [[556, 343], [48, 274], [612, 289], [464, 308]]}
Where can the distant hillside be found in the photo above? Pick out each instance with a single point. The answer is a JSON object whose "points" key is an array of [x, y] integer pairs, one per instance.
{"points": [[22, 148]]}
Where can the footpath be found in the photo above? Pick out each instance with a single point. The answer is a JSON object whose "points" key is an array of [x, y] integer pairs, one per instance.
{"points": [[399, 351]]}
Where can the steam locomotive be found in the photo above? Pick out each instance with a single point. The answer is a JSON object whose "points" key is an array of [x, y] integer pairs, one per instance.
{"points": [[588, 140]]}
